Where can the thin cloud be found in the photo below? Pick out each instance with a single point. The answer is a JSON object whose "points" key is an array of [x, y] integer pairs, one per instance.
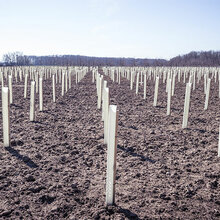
{"points": [[107, 7]]}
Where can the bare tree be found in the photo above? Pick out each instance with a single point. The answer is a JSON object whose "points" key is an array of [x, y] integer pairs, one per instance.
{"points": [[16, 58]]}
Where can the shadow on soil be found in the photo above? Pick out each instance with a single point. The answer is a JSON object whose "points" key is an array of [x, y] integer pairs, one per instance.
{"points": [[25, 159], [143, 158], [111, 210], [128, 213]]}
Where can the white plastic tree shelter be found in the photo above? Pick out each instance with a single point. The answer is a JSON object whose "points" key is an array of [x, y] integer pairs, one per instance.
{"points": [[36, 80], [207, 94], [2, 79], [219, 142], [131, 80], [77, 76], [54, 87], [167, 82], [10, 89], [25, 85], [205, 83], [106, 112], [66, 82], [119, 77], [69, 73], [186, 105], [93, 76], [169, 96], [104, 86], [111, 155], [63, 79], [97, 82], [145, 85], [5, 116], [100, 92], [32, 102], [173, 84], [219, 85], [156, 91], [40, 94], [137, 82]]}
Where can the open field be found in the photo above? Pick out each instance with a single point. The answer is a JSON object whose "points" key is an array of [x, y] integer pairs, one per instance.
{"points": [[55, 167]]}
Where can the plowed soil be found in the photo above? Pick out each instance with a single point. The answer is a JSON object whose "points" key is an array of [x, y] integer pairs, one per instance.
{"points": [[55, 167]]}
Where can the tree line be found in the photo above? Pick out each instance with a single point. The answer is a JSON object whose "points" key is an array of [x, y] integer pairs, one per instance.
{"points": [[204, 58]]}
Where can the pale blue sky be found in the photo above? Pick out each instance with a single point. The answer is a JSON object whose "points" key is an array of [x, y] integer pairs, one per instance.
{"points": [[112, 28]]}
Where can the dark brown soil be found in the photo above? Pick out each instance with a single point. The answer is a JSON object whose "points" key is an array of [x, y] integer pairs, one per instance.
{"points": [[55, 167]]}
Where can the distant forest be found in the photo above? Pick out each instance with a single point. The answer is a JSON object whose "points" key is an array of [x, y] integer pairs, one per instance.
{"points": [[204, 58]]}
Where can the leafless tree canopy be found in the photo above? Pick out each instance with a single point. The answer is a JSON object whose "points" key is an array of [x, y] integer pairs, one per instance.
{"points": [[16, 58], [208, 58]]}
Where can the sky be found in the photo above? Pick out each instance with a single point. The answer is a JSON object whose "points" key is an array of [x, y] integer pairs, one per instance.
{"points": [[109, 28]]}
